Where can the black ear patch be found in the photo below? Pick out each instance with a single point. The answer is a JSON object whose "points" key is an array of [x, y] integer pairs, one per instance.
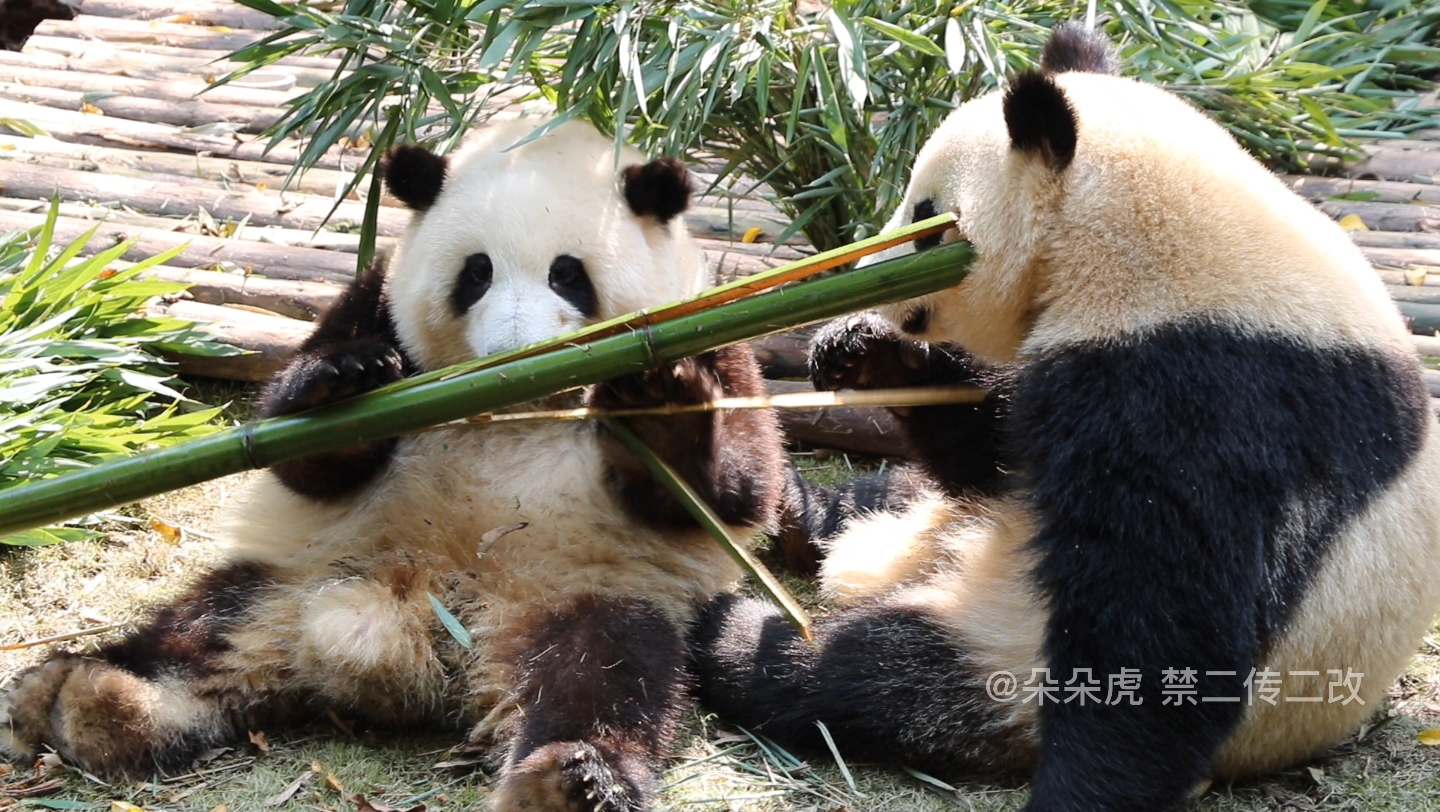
{"points": [[1074, 47], [415, 175], [1040, 119], [660, 188]]}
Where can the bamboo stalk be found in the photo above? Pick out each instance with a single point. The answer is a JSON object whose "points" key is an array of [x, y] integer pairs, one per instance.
{"points": [[712, 522], [614, 348], [901, 396]]}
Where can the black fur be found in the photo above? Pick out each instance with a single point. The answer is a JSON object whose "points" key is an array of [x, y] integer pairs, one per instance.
{"points": [[472, 284], [660, 188], [961, 446], [733, 459], [189, 634], [924, 210], [415, 175], [1074, 47], [354, 349], [1217, 468], [813, 512], [887, 683], [600, 687], [1040, 119], [570, 281]]}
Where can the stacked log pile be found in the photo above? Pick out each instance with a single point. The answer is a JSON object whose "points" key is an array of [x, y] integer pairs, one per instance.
{"points": [[106, 112]]}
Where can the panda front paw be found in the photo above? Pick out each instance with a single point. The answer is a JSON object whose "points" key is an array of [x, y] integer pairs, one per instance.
{"points": [[691, 380], [863, 351], [575, 777], [331, 374]]}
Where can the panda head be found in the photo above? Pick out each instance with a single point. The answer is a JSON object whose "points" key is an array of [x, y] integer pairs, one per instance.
{"points": [[1070, 178], [509, 246]]}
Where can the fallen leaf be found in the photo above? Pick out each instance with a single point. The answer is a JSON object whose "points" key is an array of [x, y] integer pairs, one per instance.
{"points": [[362, 804], [124, 806], [457, 764], [492, 536], [169, 532], [284, 795], [752, 235], [7, 147], [1415, 275], [87, 107], [261, 186], [333, 782], [210, 755], [1316, 774], [1430, 737], [1352, 222], [257, 738], [221, 808]]}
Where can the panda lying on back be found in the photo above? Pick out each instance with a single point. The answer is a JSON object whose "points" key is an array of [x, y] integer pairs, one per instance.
{"points": [[1218, 472], [578, 669]]}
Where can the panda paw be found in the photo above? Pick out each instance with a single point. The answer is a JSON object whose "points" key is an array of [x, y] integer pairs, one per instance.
{"points": [[863, 351], [691, 380], [574, 777], [332, 374]]}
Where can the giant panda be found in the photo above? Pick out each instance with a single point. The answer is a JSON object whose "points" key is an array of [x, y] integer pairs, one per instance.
{"points": [[574, 572], [1205, 497]]}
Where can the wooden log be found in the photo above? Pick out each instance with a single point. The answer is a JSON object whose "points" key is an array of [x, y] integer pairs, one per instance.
{"points": [[1416, 294], [159, 195], [870, 430], [106, 131], [293, 299], [1386, 162], [191, 113], [1410, 278], [329, 241], [269, 339], [785, 355], [1432, 380], [1371, 191], [171, 88], [1426, 346], [201, 12], [84, 56], [148, 163], [1386, 216], [1396, 239], [1402, 257], [274, 261], [1424, 319], [115, 31]]}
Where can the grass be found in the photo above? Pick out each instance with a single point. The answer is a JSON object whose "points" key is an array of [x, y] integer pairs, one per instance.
{"points": [[140, 560]]}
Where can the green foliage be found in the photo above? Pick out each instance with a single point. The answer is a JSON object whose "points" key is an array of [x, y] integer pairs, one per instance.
{"points": [[80, 380], [829, 107]]}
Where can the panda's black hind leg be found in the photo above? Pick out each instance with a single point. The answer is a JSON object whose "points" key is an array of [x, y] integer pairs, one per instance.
{"points": [[890, 685], [600, 687]]}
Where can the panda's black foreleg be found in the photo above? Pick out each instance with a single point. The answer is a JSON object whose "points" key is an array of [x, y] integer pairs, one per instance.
{"points": [[732, 458], [600, 687], [353, 350], [889, 684], [961, 446]]}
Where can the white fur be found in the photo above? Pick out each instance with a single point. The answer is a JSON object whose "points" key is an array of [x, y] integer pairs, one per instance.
{"points": [[558, 194]]}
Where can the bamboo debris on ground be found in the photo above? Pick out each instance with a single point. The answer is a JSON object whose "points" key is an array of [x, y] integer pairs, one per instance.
{"points": [[118, 30], [168, 87]]}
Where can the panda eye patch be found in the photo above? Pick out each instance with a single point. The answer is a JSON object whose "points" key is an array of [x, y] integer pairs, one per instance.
{"points": [[570, 282], [924, 210], [472, 283]]}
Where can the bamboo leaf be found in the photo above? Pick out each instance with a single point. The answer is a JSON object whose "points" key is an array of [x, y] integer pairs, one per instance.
{"points": [[451, 623], [717, 528]]}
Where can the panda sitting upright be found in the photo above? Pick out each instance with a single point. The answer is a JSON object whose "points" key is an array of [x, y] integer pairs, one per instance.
{"points": [[1206, 541], [572, 569]]}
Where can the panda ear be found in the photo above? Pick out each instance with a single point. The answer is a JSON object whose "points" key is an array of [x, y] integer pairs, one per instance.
{"points": [[660, 188], [415, 175], [1040, 119], [1074, 47]]}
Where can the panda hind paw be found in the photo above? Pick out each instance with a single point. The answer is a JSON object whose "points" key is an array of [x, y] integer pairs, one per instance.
{"points": [[573, 777], [862, 351], [334, 374]]}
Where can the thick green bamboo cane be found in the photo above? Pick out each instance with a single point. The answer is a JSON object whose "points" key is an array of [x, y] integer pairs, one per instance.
{"points": [[401, 408]]}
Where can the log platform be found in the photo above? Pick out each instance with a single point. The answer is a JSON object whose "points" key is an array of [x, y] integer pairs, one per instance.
{"points": [[106, 112]]}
